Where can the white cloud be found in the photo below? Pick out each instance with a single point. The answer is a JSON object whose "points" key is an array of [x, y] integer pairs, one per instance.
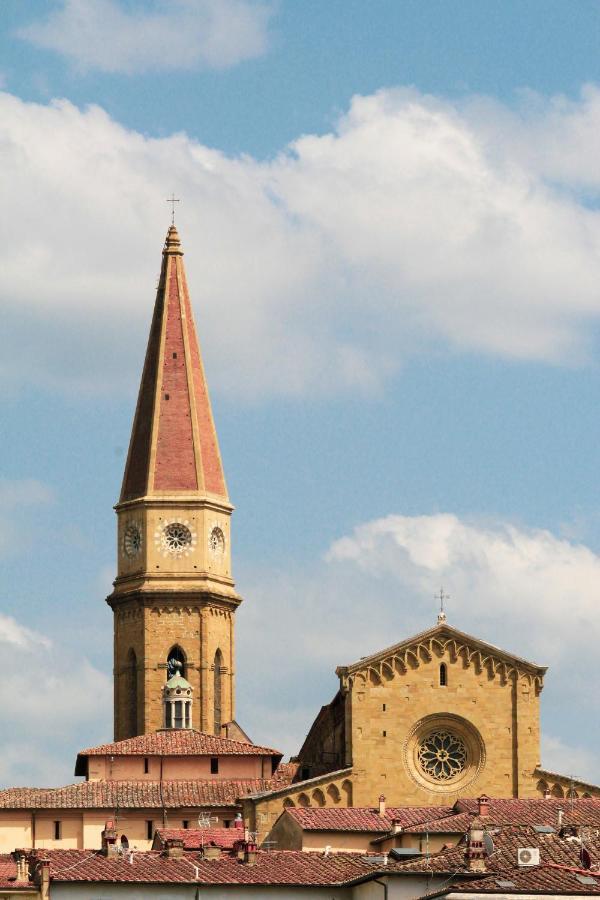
{"points": [[55, 703], [165, 35], [526, 585], [11, 632], [416, 223], [526, 590]]}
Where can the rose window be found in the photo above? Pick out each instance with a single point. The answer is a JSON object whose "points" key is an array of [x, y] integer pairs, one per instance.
{"points": [[177, 537], [132, 540], [442, 755]]}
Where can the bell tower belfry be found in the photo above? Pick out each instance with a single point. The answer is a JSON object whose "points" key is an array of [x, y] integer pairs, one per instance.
{"points": [[173, 597]]}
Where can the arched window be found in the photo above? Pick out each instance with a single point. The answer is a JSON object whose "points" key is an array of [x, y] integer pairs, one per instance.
{"points": [[124, 842], [443, 675], [218, 692], [175, 655], [132, 694]]}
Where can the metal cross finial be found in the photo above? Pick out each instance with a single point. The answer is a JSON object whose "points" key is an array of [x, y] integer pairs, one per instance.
{"points": [[441, 597], [173, 200]]}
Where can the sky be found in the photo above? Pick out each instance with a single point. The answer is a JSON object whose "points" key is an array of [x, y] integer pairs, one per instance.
{"points": [[390, 213]]}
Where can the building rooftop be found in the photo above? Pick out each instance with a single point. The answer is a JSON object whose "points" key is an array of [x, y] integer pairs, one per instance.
{"points": [[174, 742], [134, 794]]}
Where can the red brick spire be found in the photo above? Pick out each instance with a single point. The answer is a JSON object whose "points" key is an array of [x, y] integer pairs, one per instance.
{"points": [[174, 445]]}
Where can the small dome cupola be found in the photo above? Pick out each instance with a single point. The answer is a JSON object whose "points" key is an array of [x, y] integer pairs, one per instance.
{"points": [[177, 699]]}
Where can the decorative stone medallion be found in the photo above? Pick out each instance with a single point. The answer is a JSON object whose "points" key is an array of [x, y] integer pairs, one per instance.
{"points": [[132, 540], [175, 538]]}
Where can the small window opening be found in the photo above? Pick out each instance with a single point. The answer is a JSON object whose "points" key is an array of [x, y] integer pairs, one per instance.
{"points": [[166, 396], [214, 765], [149, 829], [186, 824], [146, 765], [443, 675], [385, 733], [227, 823], [124, 842], [174, 356], [383, 707], [57, 831]]}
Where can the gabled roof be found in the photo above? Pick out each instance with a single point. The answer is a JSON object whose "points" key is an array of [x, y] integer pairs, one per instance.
{"points": [[173, 445], [273, 867], [174, 742], [444, 636], [362, 818], [135, 794]]}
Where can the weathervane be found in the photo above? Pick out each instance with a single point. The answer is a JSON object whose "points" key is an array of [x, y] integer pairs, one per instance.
{"points": [[441, 597], [173, 200]]}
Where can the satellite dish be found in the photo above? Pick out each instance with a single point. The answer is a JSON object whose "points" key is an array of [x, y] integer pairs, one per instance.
{"points": [[488, 843], [586, 859]]}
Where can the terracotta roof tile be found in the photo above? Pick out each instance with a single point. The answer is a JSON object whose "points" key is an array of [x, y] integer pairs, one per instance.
{"points": [[274, 867], [362, 818], [196, 838], [133, 794], [584, 811], [179, 743]]}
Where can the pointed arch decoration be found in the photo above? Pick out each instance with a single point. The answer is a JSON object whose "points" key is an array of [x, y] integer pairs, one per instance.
{"points": [[218, 692]]}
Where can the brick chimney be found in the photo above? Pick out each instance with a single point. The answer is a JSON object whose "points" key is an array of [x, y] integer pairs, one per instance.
{"points": [[382, 804], [42, 877], [396, 826], [475, 853], [173, 848], [250, 854], [109, 839], [547, 794], [484, 805], [20, 856], [238, 821], [212, 852]]}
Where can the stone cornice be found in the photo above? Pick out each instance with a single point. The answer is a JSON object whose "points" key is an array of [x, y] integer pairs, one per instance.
{"points": [[435, 643]]}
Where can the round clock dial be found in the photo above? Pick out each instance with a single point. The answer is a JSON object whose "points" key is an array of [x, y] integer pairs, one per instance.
{"points": [[216, 540], [132, 540], [175, 539]]}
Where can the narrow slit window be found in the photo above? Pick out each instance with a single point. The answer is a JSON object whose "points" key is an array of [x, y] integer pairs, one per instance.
{"points": [[57, 831], [443, 675], [146, 765], [214, 765], [149, 829]]}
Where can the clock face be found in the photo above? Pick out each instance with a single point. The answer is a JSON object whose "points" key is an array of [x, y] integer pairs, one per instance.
{"points": [[132, 540], [216, 541], [175, 539]]}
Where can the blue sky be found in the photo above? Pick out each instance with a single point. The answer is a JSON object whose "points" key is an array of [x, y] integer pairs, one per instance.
{"points": [[389, 212]]}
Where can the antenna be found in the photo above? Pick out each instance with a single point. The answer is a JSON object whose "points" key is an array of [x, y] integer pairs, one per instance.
{"points": [[488, 843], [205, 821]]}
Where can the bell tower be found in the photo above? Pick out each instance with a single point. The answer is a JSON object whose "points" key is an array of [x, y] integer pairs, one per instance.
{"points": [[173, 597]]}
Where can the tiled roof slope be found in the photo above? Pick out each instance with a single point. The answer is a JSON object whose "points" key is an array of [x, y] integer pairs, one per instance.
{"points": [[175, 742], [536, 880], [507, 840], [173, 444], [362, 818], [196, 838], [274, 867], [582, 811], [8, 872], [133, 794]]}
